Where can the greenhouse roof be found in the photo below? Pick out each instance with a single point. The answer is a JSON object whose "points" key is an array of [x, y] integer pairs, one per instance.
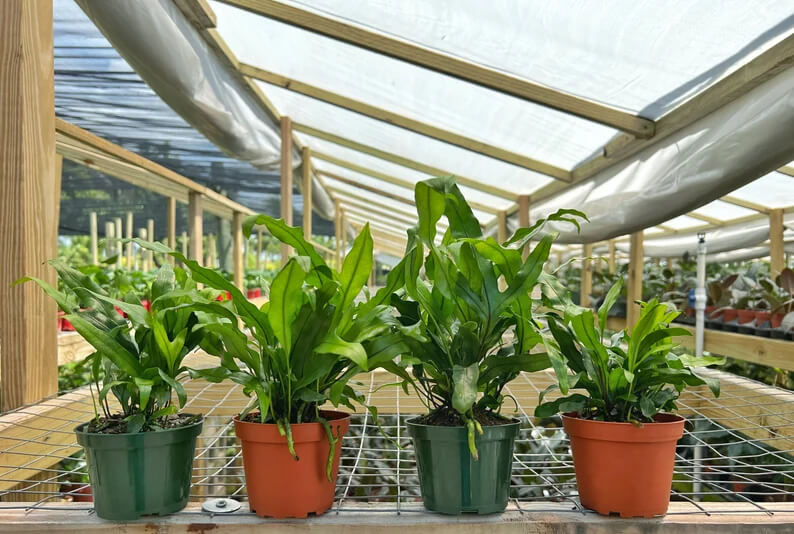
{"points": [[671, 117]]}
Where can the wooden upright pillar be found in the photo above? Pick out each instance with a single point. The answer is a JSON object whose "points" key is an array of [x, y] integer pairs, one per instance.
{"points": [[94, 233], [29, 196], [150, 237], [286, 181], [523, 219], [170, 225], [184, 244], [195, 226], [306, 191], [237, 250], [612, 262], [343, 236], [110, 241], [501, 227], [338, 231], [586, 287], [119, 245], [636, 260], [130, 235], [776, 258]]}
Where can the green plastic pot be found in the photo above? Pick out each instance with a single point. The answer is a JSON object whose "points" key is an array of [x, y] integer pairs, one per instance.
{"points": [[147, 473], [452, 482]]}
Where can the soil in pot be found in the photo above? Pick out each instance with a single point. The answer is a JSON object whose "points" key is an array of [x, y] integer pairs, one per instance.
{"points": [[452, 482], [622, 468], [280, 486], [145, 473]]}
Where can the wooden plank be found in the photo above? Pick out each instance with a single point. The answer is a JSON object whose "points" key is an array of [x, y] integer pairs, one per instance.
{"points": [[198, 12], [758, 70], [195, 221], [396, 119], [706, 218], [119, 237], [170, 218], [745, 204], [237, 251], [586, 287], [501, 227], [306, 192], [29, 193], [636, 262], [405, 162], [612, 262], [129, 235], [457, 67], [776, 254], [151, 237], [523, 219], [93, 232], [788, 171], [380, 176], [286, 181]]}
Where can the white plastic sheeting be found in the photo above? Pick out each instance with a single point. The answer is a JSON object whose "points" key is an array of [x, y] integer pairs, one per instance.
{"points": [[745, 254], [167, 51]]}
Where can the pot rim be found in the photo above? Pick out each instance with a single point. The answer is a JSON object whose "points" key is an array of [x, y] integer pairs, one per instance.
{"points": [[513, 421], [78, 429], [342, 416], [676, 419]]}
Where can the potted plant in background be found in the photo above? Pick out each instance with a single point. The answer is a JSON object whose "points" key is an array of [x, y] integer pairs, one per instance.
{"points": [[304, 346], [454, 324], [139, 448], [623, 436]]}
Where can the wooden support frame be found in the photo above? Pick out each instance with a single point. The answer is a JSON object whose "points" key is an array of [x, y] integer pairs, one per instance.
{"points": [[195, 221], [745, 204], [523, 219], [612, 258], [447, 64], [636, 263], [237, 251], [396, 119], [776, 254], [29, 196], [170, 222], [306, 192], [151, 237], [129, 234], [586, 286], [286, 181], [788, 171], [93, 232]]}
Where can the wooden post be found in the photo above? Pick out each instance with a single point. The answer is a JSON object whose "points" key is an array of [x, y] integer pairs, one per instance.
{"points": [[195, 227], [776, 260], [209, 257], [343, 235], [636, 259], [130, 235], [612, 261], [286, 180], [670, 263], [150, 236], [184, 244], [110, 242], [259, 250], [141, 252], [338, 231], [586, 287], [170, 225], [501, 237], [119, 233], [93, 231], [306, 187], [237, 250], [245, 253], [28, 199], [523, 219]]}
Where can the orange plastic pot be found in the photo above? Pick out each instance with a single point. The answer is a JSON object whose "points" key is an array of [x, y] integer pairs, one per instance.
{"points": [[622, 468], [280, 486], [745, 316]]}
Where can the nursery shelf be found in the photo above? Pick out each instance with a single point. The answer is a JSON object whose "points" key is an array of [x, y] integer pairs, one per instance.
{"points": [[738, 451]]}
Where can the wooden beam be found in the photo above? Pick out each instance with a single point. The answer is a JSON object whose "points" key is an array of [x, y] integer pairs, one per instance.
{"points": [[761, 68], [396, 119], [523, 219], [151, 237], [306, 191], [110, 232], [380, 176], [170, 222], [501, 227], [28, 196], [405, 162], [405, 209], [195, 221], [776, 257], [93, 232], [129, 233], [706, 218], [237, 251], [745, 204], [198, 12], [636, 262], [286, 181], [118, 233], [788, 171], [450, 65], [586, 287], [612, 262]]}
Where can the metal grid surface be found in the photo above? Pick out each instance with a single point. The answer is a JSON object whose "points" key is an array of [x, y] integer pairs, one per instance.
{"points": [[737, 450]]}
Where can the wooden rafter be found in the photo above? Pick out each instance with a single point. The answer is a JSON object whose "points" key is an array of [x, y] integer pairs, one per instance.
{"points": [[407, 123], [745, 204], [457, 67], [706, 218], [403, 161], [788, 171]]}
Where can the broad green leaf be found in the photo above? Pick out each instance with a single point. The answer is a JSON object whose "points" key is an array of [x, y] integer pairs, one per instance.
{"points": [[356, 269], [106, 345], [333, 344], [430, 204], [464, 393], [285, 301]]}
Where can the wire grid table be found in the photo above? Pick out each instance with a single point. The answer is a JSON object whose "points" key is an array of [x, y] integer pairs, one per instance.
{"points": [[736, 451]]}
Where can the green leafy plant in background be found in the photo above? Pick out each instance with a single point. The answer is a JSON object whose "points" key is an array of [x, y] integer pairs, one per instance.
{"points": [[307, 342], [454, 321], [138, 357], [630, 377]]}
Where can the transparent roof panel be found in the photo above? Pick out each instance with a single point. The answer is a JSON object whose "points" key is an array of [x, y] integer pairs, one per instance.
{"points": [[644, 56], [724, 211], [485, 115], [682, 222], [775, 190]]}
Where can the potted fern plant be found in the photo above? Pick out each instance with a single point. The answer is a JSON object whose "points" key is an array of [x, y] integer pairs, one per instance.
{"points": [[139, 448], [302, 348], [456, 324], [623, 434]]}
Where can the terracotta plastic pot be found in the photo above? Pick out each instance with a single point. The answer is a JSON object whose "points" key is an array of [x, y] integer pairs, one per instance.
{"points": [[622, 468], [280, 486], [729, 315], [761, 317], [254, 293], [745, 316], [776, 320]]}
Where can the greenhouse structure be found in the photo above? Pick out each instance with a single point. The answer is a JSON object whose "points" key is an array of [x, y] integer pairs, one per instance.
{"points": [[371, 266]]}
